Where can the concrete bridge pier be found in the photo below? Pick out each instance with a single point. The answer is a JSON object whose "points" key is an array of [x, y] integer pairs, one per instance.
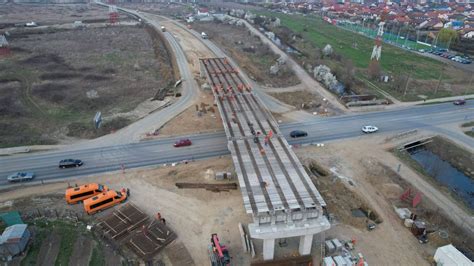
{"points": [[306, 242], [268, 248]]}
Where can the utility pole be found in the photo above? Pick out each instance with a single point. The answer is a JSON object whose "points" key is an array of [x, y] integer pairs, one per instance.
{"points": [[439, 80], [398, 35], [406, 85], [406, 38], [417, 36]]}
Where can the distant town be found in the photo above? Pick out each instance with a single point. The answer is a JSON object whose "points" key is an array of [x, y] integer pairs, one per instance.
{"points": [[419, 21]]}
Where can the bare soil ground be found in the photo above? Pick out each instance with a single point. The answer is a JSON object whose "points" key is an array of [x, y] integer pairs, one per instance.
{"points": [[194, 214], [51, 14], [56, 80], [254, 57], [190, 121], [306, 101], [82, 251], [194, 49], [169, 9], [369, 166]]}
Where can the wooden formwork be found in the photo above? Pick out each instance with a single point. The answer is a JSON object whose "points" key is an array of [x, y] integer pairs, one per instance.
{"points": [[130, 226], [119, 224], [150, 240]]}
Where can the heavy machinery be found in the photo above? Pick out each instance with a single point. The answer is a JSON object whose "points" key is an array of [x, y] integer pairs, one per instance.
{"points": [[218, 253]]}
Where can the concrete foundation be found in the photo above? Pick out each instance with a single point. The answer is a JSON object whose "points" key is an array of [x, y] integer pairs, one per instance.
{"points": [[305, 230], [268, 248], [305, 244]]}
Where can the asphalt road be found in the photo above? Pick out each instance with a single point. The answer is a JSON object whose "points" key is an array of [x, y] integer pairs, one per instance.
{"points": [[157, 152]]}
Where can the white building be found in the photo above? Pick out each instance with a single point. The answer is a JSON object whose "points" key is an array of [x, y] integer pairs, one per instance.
{"points": [[449, 256]]}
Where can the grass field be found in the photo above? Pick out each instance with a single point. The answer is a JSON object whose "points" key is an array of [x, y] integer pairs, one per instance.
{"points": [[387, 36], [424, 72], [393, 58], [54, 82], [468, 124], [68, 233]]}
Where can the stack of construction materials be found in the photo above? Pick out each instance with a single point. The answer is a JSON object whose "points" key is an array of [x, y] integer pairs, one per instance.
{"points": [[129, 226], [210, 187]]}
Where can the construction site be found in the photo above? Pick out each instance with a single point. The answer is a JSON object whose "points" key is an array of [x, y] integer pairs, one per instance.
{"points": [[242, 189]]}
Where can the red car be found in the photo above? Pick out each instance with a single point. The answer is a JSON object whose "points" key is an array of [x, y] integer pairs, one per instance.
{"points": [[459, 102], [182, 143]]}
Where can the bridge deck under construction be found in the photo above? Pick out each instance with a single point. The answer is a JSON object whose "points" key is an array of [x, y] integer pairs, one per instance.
{"points": [[271, 177]]}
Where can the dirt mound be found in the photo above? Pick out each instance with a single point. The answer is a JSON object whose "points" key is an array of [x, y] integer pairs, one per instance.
{"points": [[391, 190]]}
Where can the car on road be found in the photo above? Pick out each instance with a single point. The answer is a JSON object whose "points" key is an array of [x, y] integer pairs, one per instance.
{"points": [[298, 133], [66, 163], [369, 129], [182, 143], [20, 176], [459, 102]]}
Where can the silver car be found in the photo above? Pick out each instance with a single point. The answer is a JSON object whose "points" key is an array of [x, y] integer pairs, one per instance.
{"points": [[20, 176], [369, 129]]}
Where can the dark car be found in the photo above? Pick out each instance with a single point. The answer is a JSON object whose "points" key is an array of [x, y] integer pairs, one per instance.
{"points": [[298, 133], [182, 143], [459, 102], [66, 163]]}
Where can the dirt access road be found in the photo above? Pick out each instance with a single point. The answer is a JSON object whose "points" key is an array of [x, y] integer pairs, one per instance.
{"points": [[195, 48], [306, 79], [358, 160], [270, 102]]}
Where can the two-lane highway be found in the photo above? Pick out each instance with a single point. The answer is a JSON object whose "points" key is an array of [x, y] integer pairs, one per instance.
{"points": [[160, 151]]}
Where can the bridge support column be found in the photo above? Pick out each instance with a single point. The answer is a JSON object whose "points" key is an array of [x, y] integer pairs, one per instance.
{"points": [[306, 242], [268, 249]]}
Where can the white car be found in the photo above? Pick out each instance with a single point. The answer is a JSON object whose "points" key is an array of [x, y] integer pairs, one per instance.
{"points": [[369, 129]]}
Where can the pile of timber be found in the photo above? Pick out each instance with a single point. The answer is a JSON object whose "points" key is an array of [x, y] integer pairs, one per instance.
{"points": [[207, 186]]}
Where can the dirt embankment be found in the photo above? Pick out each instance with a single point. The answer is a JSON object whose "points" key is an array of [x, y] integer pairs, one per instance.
{"points": [[458, 157], [304, 100], [164, 53], [254, 57], [342, 201]]}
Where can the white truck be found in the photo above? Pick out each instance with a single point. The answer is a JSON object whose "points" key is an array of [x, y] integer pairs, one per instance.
{"points": [[203, 35], [163, 29]]}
